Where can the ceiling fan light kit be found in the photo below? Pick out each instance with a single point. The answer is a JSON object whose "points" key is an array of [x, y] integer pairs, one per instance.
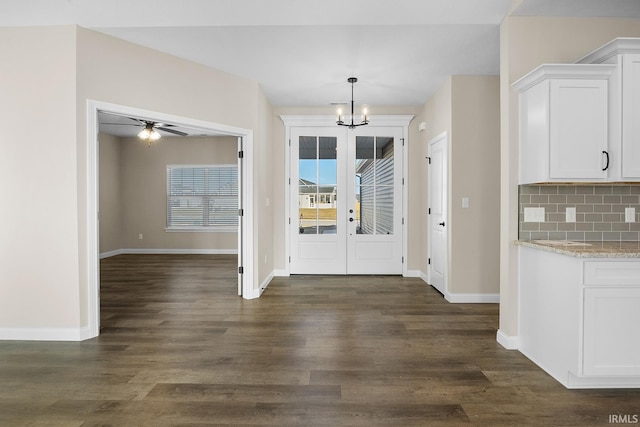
{"points": [[364, 119], [149, 134]]}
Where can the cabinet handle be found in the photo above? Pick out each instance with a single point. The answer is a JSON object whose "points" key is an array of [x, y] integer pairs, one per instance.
{"points": [[607, 165]]}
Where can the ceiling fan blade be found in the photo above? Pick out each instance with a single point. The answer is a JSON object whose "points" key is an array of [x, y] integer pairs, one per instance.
{"points": [[175, 132], [122, 124]]}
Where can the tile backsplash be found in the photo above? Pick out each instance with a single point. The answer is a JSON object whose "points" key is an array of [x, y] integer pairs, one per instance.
{"points": [[600, 212]]}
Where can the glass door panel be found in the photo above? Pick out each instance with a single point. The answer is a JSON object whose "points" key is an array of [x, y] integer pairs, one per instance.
{"points": [[374, 181]]}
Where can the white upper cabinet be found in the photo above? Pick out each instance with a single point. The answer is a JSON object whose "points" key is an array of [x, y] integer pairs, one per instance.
{"points": [[564, 124], [624, 134]]}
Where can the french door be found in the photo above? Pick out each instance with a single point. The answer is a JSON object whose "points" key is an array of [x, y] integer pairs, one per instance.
{"points": [[346, 200]]}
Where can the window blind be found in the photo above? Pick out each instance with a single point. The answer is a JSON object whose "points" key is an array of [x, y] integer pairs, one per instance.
{"points": [[202, 196]]}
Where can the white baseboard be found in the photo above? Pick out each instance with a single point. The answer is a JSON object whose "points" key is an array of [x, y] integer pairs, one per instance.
{"points": [[169, 252], [472, 298], [507, 341], [109, 254], [46, 334], [266, 283], [456, 298]]}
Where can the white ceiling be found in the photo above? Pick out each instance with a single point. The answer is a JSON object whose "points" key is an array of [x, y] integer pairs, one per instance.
{"points": [[302, 51]]}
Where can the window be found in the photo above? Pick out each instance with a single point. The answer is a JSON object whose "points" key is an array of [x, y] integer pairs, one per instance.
{"points": [[203, 197]]}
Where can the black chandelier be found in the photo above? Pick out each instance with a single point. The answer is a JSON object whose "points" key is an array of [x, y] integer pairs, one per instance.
{"points": [[352, 125]]}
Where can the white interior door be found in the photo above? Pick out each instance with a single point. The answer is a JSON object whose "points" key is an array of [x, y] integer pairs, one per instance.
{"points": [[346, 200], [374, 240], [438, 213]]}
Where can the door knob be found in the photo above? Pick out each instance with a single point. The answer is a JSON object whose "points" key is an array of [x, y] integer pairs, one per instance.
{"points": [[442, 223], [350, 219]]}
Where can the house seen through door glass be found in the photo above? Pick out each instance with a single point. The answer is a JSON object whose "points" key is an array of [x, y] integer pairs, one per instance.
{"points": [[317, 185]]}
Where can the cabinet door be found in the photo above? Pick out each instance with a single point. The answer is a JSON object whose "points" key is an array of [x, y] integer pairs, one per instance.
{"points": [[578, 129], [630, 114], [611, 341]]}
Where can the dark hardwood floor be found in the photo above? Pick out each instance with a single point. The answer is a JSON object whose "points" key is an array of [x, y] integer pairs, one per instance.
{"points": [[178, 347]]}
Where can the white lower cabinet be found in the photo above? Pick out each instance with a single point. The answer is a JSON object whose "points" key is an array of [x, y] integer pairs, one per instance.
{"points": [[610, 314], [579, 318]]}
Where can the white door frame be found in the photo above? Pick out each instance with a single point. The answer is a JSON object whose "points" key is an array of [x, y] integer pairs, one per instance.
{"points": [[324, 120], [442, 289], [245, 259]]}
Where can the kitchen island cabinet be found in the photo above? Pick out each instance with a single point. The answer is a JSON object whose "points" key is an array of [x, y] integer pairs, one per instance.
{"points": [[580, 311]]}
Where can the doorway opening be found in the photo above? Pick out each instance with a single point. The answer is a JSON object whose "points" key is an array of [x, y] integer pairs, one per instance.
{"points": [[244, 140]]}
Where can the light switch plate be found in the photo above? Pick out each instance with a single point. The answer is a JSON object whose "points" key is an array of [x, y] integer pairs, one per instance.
{"points": [[571, 215], [533, 214], [629, 214]]}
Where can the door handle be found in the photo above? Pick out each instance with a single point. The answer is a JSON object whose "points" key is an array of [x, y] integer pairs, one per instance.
{"points": [[442, 223], [606, 153]]}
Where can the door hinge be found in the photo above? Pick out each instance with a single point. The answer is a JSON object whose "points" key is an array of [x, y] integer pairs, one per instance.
{"points": [[289, 220], [429, 261], [289, 181], [402, 139], [403, 260], [240, 270], [289, 260], [402, 181], [240, 212], [429, 212], [241, 154], [289, 142], [402, 221], [429, 159]]}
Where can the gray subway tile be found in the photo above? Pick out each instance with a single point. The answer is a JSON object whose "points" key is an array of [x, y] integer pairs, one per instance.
{"points": [[578, 198], [602, 226], [620, 226], [593, 235], [567, 189], [611, 236], [539, 198], [558, 198], [629, 236], [593, 217], [621, 189], [612, 199], [576, 235], [603, 189], [567, 226], [557, 235], [602, 208], [549, 189], [529, 189], [584, 226], [593, 198]]}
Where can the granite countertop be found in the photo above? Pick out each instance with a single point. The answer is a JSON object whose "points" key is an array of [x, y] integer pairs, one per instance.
{"points": [[586, 249]]}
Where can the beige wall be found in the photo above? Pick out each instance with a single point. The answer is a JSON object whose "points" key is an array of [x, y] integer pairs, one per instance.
{"points": [[48, 74], [467, 109], [525, 43], [475, 173], [39, 213], [110, 204]]}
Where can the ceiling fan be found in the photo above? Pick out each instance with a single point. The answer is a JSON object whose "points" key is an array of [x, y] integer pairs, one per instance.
{"points": [[150, 133]]}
